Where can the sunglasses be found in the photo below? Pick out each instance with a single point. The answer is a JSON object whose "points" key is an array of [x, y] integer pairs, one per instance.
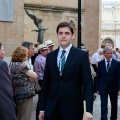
{"points": [[44, 50]]}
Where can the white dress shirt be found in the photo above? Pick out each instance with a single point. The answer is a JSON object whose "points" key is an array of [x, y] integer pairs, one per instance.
{"points": [[95, 58], [106, 62], [28, 62], [60, 53]]}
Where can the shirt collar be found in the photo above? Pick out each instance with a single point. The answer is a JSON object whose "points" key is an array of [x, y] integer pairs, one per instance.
{"points": [[107, 60], [41, 55], [67, 49]]}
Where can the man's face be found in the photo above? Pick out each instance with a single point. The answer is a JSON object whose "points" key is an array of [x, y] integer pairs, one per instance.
{"points": [[31, 51], [101, 53], [117, 50], [64, 37], [2, 52], [51, 48], [108, 54], [44, 52]]}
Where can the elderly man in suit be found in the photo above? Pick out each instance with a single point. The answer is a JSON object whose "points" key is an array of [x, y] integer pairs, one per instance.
{"points": [[108, 83], [7, 105], [67, 80]]}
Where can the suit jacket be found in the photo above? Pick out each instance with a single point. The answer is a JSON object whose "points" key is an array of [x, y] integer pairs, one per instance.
{"points": [[7, 105], [108, 80], [70, 88]]}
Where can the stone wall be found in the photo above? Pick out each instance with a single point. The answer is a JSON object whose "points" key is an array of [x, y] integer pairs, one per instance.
{"points": [[91, 24], [52, 12], [51, 18], [11, 34], [110, 27], [53, 3]]}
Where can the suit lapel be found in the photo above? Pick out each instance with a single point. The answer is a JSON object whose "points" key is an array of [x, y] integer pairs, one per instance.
{"points": [[69, 58], [112, 62], [104, 65], [55, 61]]}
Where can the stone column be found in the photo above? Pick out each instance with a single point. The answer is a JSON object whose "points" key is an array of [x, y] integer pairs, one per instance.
{"points": [[91, 24]]}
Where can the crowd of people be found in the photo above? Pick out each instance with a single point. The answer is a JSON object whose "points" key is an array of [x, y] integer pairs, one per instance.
{"points": [[67, 76]]}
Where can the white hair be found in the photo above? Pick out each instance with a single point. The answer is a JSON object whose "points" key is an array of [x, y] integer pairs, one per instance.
{"points": [[100, 50], [107, 48]]}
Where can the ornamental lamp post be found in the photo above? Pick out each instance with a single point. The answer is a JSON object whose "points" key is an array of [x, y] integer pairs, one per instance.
{"points": [[79, 24]]}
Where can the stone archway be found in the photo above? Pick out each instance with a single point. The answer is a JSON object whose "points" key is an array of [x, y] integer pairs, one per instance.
{"points": [[107, 42]]}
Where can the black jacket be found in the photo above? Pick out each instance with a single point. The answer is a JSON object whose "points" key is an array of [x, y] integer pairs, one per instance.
{"points": [[75, 83]]}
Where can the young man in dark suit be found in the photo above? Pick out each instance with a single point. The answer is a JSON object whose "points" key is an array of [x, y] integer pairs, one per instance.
{"points": [[7, 105], [67, 80], [108, 83]]}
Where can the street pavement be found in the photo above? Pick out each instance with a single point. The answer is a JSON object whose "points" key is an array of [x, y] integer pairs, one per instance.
{"points": [[96, 108]]}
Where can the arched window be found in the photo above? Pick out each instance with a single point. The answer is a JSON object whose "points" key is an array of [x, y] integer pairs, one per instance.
{"points": [[108, 42]]}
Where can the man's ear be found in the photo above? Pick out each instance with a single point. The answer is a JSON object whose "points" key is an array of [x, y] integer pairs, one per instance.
{"points": [[73, 36]]}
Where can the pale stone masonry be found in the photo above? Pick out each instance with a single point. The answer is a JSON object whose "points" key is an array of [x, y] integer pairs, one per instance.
{"points": [[11, 33], [52, 12]]}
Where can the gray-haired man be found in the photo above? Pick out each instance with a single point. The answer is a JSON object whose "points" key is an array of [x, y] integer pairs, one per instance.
{"points": [[30, 47], [108, 83]]}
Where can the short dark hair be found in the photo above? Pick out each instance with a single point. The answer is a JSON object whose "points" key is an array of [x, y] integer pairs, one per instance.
{"points": [[0, 45], [117, 49], [27, 44], [65, 24]]}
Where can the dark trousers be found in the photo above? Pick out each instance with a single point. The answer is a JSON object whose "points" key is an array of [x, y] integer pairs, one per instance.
{"points": [[38, 103], [56, 114], [95, 78], [104, 104]]}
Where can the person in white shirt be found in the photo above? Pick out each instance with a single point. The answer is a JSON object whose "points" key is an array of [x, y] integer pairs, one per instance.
{"points": [[96, 57]]}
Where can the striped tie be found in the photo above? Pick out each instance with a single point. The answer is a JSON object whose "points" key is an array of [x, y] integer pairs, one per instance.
{"points": [[62, 61]]}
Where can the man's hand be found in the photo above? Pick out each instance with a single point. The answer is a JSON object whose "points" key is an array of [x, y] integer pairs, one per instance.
{"points": [[98, 92], [41, 116], [118, 93], [88, 116], [32, 79]]}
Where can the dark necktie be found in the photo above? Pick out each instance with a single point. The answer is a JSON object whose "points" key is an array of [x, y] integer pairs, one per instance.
{"points": [[108, 64], [62, 63]]}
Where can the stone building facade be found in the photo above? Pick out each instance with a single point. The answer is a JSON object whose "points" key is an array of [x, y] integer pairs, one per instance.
{"points": [[110, 27], [11, 33], [52, 12]]}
